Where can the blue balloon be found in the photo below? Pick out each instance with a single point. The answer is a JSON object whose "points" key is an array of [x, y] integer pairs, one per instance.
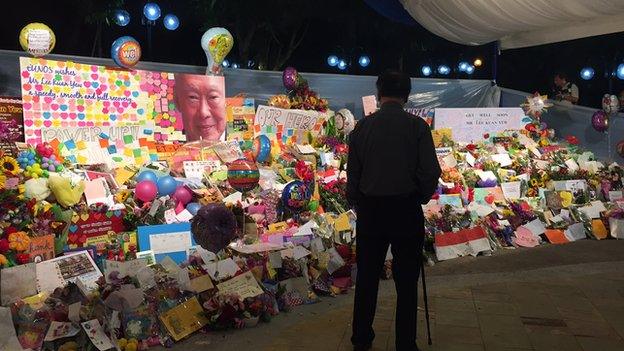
{"points": [[193, 207], [147, 175], [126, 51], [261, 148], [166, 185]]}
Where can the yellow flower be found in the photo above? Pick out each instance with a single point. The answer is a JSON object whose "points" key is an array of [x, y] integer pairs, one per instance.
{"points": [[3, 260], [9, 165], [19, 241]]}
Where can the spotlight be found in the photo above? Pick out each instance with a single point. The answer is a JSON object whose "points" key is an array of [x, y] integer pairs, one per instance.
{"points": [[364, 61], [332, 60], [342, 65], [470, 69], [151, 11], [463, 66], [225, 63], [171, 22], [235, 65], [587, 73], [122, 18], [620, 71], [444, 70], [477, 62], [426, 71]]}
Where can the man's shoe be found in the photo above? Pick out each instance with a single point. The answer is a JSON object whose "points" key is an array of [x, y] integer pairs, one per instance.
{"points": [[364, 347]]}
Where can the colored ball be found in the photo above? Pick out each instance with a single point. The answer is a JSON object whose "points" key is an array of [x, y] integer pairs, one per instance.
{"points": [[243, 175], [183, 195], [37, 39], [261, 148], [600, 121], [295, 195], [146, 191], [193, 207], [147, 175], [126, 51], [167, 185]]}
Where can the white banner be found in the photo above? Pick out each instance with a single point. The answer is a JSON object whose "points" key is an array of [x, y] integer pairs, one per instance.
{"points": [[290, 119], [470, 124], [94, 134]]}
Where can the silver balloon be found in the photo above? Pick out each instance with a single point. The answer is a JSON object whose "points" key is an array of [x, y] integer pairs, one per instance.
{"points": [[610, 103], [345, 122]]}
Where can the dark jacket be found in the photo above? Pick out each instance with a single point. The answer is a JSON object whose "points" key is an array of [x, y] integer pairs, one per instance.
{"points": [[391, 153]]}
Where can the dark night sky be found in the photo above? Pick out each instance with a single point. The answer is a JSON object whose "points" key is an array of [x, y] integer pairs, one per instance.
{"points": [[528, 69]]}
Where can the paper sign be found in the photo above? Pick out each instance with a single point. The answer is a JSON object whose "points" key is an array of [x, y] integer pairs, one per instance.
{"points": [[556, 236], [306, 149], [300, 252], [449, 161], [240, 120], [197, 169], [17, 282], [88, 228], [525, 238], [343, 222], [41, 248], [184, 319], [244, 285], [369, 103], [11, 116], [572, 165], [97, 191], [471, 124], [275, 259], [536, 227], [171, 240], [511, 190], [60, 330], [479, 209], [222, 269], [96, 335], [452, 199], [575, 232], [124, 268], [503, 159], [486, 175]]}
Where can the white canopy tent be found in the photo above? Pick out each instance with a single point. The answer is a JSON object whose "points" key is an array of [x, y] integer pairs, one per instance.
{"points": [[517, 23]]}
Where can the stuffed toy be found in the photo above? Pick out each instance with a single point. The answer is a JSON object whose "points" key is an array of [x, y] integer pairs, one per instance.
{"points": [[66, 193], [37, 188]]}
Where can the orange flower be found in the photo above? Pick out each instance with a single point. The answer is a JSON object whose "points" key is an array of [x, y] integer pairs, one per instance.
{"points": [[19, 241], [3, 260]]}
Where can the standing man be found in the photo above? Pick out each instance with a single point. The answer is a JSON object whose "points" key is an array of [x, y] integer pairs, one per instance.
{"points": [[565, 90], [392, 169]]}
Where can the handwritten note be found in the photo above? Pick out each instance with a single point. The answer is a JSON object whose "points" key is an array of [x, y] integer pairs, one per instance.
{"points": [[244, 285]]}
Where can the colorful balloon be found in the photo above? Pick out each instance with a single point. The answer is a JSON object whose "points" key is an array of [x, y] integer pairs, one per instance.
{"points": [[37, 39], [166, 185], [147, 175], [146, 191], [126, 51], [610, 104], [261, 148], [600, 121], [193, 207], [292, 80], [183, 195], [217, 43], [296, 195], [243, 175]]}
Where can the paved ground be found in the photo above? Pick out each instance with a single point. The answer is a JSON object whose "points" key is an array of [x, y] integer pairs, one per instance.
{"points": [[563, 298]]}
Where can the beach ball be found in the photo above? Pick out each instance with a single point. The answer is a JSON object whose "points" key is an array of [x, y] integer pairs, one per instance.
{"points": [[295, 195], [261, 148], [243, 175]]}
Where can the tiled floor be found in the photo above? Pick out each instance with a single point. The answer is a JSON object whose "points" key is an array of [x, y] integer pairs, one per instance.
{"points": [[548, 307]]}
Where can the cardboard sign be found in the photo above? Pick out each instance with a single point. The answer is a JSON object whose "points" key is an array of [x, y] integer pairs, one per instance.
{"points": [[471, 124], [369, 104], [184, 319]]}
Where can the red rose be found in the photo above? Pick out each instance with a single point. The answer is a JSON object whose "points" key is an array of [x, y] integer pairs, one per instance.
{"points": [[4, 246], [22, 258], [9, 230]]}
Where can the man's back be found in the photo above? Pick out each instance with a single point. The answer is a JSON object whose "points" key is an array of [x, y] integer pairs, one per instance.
{"points": [[392, 151]]}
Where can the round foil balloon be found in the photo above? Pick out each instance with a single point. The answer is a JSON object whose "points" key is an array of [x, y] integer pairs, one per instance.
{"points": [[345, 122], [214, 227], [217, 43], [620, 148], [610, 103], [37, 39], [289, 78], [261, 148], [600, 121], [243, 175], [295, 195], [126, 51]]}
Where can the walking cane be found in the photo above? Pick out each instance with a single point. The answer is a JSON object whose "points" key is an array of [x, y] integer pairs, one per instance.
{"points": [[424, 284]]}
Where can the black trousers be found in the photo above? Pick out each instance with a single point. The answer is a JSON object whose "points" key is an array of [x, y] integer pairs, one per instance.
{"points": [[382, 221]]}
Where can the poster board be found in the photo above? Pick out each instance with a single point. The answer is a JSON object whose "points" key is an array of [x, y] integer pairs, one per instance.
{"points": [[11, 112], [287, 127], [471, 124]]}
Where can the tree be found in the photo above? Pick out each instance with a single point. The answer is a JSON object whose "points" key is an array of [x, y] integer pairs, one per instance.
{"points": [[99, 13]]}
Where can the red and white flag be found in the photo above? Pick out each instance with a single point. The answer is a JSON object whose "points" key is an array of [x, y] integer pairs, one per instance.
{"points": [[462, 243]]}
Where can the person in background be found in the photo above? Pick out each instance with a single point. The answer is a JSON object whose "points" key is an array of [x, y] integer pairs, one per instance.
{"points": [[565, 90], [392, 169]]}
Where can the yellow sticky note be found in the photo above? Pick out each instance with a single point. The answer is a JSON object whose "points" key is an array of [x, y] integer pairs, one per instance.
{"points": [[342, 223], [82, 160], [81, 145], [122, 175], [128, 152]]}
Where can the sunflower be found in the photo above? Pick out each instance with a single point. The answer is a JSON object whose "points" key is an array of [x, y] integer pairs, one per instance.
{"points": [[9, 165]]}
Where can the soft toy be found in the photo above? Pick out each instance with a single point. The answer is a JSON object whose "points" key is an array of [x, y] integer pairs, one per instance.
{"points": [[66, 193], [37, 188]]}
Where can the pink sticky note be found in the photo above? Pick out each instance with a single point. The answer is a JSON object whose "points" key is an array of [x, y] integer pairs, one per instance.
{"points": [[370, 104]]}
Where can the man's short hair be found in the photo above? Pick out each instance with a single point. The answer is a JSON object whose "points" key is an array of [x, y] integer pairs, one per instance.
{"points": [[393, 83], [562, 75]]}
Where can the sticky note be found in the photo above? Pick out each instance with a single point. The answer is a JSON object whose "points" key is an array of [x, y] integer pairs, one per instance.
{"points": [[81, 145], [112, 149], [128, 139], [70, 144]]}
